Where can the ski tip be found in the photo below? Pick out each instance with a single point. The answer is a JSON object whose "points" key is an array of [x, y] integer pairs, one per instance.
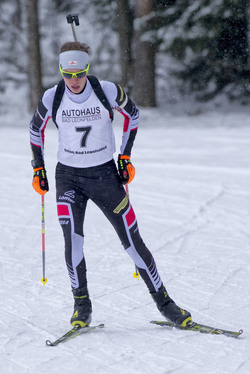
{"points": [[49, 343], [75, 331], [163, 323]]}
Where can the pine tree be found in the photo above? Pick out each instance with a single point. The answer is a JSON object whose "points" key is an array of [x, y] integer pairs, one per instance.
{"points": [[145, 50], [34, 72], [210, 42]]}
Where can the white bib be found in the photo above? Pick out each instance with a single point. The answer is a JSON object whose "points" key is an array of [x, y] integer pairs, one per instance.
{"points": [[86, 136]]}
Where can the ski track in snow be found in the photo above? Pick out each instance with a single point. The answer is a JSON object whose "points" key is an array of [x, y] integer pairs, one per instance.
{"points": [[192, 200]]}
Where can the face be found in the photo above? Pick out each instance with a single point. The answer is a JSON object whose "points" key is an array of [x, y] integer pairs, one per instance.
{"points": [[76, 85]]}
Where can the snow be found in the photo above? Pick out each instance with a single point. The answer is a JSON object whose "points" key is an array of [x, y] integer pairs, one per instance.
{"points": [[192, 200]]}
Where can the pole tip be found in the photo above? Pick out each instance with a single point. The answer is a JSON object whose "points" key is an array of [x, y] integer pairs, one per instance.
{"points": [[136, 275], [44, 280]]}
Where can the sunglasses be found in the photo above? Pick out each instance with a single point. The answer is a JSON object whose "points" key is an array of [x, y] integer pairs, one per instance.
{"points": [[78, 74]]}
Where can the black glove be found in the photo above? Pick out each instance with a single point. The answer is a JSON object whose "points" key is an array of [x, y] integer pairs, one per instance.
{"points": [[126, 169]]}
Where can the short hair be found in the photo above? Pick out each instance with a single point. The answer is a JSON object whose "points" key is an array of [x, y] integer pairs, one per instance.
{"points": [[75, 46]]}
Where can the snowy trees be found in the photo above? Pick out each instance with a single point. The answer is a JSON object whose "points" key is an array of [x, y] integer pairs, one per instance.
{"points": [[207, 41], [210, 42]]}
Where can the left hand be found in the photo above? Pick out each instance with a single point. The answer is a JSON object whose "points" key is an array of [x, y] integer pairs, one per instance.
{"points": [[126, 169]]}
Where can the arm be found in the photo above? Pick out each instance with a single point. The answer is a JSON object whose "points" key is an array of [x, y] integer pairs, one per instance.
{"points": [[37, 128], [130, 113], [120, 101]]}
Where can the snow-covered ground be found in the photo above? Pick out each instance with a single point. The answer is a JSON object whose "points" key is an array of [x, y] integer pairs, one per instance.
{"points": [[191, 196]]}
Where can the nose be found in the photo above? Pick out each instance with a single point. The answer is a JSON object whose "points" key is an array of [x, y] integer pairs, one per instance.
{"points": [[74, 79]]}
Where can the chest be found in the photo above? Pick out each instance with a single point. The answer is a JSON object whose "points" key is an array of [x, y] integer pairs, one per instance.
{"points": [[90, 112]]}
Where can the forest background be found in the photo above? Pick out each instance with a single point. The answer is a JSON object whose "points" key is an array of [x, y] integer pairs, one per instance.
{"points": [[161, 51]]}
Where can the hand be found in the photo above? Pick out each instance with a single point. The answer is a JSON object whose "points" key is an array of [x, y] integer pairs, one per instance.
{"points": [[126, 169], [40, 181]]}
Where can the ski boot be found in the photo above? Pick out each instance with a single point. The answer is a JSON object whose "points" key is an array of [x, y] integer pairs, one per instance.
{"points": [[169, 309], [82, 307]]}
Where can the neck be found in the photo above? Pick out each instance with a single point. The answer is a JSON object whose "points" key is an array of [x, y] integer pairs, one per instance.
{"points": [[81, 96]]}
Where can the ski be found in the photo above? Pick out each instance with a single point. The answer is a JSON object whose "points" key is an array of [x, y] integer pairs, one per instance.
{"points": [[77, 330], [194, 326]]}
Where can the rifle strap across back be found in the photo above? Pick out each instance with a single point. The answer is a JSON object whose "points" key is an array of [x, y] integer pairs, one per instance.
{"points": [[97, 88]]}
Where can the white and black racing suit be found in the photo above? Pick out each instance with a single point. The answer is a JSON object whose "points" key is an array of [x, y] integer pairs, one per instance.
{"points": [[86, 170]]}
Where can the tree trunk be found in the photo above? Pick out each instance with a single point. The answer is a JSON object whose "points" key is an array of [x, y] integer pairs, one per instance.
{"points": [[125, 31], [34, 55], [144, 77]]}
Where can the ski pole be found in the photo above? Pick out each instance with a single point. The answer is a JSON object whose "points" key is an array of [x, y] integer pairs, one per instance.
{"points": [[136, 273], [44, 279], [71, 18], [126, 188]]}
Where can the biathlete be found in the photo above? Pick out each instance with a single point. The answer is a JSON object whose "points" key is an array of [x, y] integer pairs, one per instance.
{"points": [[86, 170]]}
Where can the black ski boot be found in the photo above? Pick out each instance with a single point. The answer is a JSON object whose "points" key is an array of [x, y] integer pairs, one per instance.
{"points": [[169, 309], [82, 308]]}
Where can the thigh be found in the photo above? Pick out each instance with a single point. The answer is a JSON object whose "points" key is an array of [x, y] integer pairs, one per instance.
{"points": [[71, 202], [110, 196]]}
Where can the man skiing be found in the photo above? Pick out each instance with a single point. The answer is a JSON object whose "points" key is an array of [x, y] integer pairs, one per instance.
{"points": [[86, 170]]}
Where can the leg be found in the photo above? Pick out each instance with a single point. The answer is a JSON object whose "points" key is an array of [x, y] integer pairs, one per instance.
{"points": [[71, 206], [115, 204], [109, 194], [128, 231], [71, 215], [147, 268]]}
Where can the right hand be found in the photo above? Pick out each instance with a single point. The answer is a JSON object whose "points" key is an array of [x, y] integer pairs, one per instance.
{"points": [[40, 181]]}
